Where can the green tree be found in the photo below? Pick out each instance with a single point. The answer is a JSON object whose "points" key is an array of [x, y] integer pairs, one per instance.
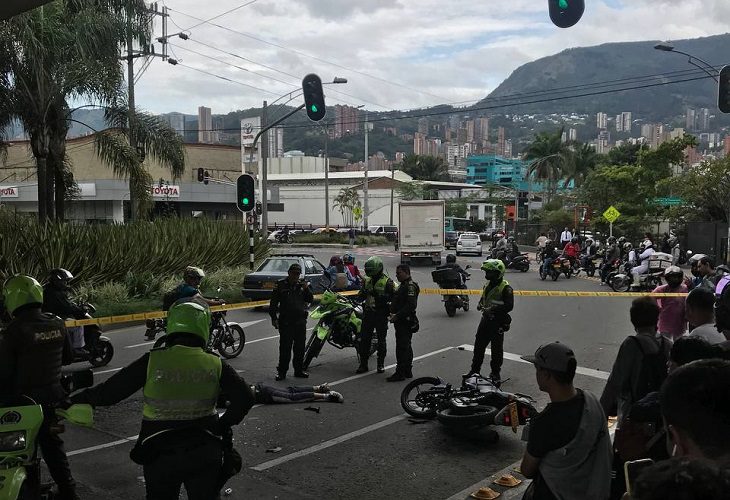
{"points": [[425, 168], [346, 201], [579, 162], [414, 191], [705, 190], [547, 158]]}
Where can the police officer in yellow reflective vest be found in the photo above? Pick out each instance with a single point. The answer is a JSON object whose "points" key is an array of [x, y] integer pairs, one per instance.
{"points": [[180, 441], [496, 303], [376, 295]]}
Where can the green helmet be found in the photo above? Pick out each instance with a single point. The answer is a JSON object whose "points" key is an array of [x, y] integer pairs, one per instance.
{"points": [[493, 265], [189, 317], [373, 266], [21, 290]]}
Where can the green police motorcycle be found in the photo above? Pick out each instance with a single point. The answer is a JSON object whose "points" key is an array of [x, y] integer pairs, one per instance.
{"points": [[339, 321], [20, 422]]}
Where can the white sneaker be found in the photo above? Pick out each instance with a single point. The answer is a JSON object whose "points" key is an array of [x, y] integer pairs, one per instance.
{"points": [[322, 388], [335, 397]]}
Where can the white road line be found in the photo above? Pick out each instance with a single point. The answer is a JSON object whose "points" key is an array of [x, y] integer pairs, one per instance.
{"points": [[130, 439], [245, 324], [107, 371], [261, 340], [327, 444], [139, 345], [589, 372]]}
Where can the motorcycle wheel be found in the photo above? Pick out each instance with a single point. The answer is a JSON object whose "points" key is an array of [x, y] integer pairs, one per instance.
{"points": [[591, 271], [542, 273], [450, 310], [410, 406], [619, 284], [524, 267], [231, 341], [465, 305], [103, 353], [480, 417], [555, 275], [312, 349], [568, 273]]}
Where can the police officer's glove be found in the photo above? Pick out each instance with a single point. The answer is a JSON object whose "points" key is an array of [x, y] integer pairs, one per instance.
{"points": [[479, 307], [275, 323]]}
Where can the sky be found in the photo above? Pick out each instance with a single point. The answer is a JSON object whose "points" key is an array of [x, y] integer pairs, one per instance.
{"points": [[395, 54]]}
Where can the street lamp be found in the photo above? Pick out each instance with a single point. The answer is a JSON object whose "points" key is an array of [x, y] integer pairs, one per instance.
{"points": [[667, 47]]}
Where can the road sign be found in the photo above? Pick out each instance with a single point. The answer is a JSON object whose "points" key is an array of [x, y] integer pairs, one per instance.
{"points": [[250, 219], [611, 214], [670, 201]]}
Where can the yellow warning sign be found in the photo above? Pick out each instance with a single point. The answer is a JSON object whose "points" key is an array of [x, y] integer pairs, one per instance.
{"points": [[611, 214]]}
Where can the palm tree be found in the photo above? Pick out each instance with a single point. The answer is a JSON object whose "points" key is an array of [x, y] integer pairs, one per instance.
{"points": [[346, 202], [580, 162], [547, 155], [64, 50], [426, 168]]}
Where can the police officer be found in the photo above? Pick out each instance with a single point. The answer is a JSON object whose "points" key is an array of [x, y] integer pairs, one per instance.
{"points": [[180, 441], [288, 310], [33, 347], [403, 317], [496, 302], [376, 295]]}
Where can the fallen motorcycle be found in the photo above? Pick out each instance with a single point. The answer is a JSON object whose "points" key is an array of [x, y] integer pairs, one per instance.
{"points": [[478, 402], [339, 324]]}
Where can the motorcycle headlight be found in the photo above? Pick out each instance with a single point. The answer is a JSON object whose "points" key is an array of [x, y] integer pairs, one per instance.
{"points": [[12, 441]]}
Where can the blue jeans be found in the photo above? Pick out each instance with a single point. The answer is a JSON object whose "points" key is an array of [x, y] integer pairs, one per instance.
{"points": [[546, 264]]}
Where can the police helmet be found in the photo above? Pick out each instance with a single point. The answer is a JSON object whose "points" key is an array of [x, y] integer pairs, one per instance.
{"points": [[373, 266], [189, 317], [21, 290], [493, 269]]}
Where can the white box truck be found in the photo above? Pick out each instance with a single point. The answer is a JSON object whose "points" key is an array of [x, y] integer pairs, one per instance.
{"points": [[421, 231]]}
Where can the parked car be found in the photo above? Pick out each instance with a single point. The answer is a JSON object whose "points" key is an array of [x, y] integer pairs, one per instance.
{"points": [[450, 238], [324, 230], [258, 285], [390, 232], [469, 243]]}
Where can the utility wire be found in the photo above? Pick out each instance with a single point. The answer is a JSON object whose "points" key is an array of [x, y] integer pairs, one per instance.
{"points": [[304, 54], [225, 78], [219, 15]]}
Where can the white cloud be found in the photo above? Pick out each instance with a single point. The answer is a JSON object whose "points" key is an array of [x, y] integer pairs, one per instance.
{"points": [[432, 51]]}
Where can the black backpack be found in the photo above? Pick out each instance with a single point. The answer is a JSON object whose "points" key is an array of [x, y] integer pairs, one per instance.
{"points": [[170, 297], [653, 368]]}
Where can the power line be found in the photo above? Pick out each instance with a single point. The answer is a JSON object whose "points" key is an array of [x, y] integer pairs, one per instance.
{"points": [[304, 54], [219, 15], [225, 78]]}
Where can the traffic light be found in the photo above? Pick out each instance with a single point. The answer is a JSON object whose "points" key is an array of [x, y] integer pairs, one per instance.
{"points": [[723, 95], [565, 13], [245, 193], [259, 208], [313, 97], [201, 175], [206, 176]]}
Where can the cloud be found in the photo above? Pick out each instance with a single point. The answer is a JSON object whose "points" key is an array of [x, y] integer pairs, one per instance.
{"points": [[396, 54]]}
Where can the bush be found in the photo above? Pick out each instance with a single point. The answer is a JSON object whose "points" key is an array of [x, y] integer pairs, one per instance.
{"points": [[107, 293], [340, 238]]}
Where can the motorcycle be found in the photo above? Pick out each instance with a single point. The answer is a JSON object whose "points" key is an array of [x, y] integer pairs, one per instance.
{"points": [[226, 337], [451, 279], [339, 323], [96, 349], [520, 262], [283, 238], [20, 422], [622, 282], [561, 265], [478, 402], [590, 264]]}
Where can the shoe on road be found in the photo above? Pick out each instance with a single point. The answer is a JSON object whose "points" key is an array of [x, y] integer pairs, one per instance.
{"points": [[301, 375], [335, 397], [396, 377], [322, 388], [381, 367], [280, 376], [362, 369]]}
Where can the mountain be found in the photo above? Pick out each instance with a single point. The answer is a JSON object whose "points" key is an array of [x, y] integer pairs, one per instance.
{"points": [[609, 62]]}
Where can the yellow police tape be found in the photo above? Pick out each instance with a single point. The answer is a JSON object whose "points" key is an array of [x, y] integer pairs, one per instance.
{"points": [[129, 318]]}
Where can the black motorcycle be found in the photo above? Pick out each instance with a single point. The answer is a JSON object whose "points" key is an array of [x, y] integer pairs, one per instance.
{"points": [[450, 279], [478, 402], [283, 238], [226, 337], [98, 349], [520, 262], [589, 263]]}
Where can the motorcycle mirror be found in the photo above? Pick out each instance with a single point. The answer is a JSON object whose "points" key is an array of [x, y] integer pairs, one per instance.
{"points": [[468, 266], [689, 253]]}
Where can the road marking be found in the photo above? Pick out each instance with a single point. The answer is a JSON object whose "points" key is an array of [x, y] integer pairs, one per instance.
{"points": [[139, 345], [327, 444], [130, 439], [246, 324], [261, 340], [589, 372], [107, 371], [243, 325]]}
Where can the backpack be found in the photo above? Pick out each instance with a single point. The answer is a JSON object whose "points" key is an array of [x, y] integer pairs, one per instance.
{"points": [[653, 369], [170, 297]]}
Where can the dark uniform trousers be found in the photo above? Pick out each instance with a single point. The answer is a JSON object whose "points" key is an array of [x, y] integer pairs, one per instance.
{"points": [[292, 336], [488, 332], [197, 466], [374, 321], [403, 349]]}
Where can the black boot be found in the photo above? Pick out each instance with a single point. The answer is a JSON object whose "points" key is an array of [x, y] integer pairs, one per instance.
{"points": [[396, 377], [381, 365], [407, 372], [363, 367]]}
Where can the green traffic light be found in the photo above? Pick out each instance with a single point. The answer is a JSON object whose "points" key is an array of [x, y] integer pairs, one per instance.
{"points": [[563, 4], [313, 108], [245, 201]]}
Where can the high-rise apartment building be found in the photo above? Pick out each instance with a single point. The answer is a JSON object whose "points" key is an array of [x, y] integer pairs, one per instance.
{"points": [[703, 119], [572, 134], [483, 129], [205, 125], [470, 131], [347, 121], [423, 126], [727, 145], [624, 122], [419, 143], [603, 142], [602, 121], [276, 142], [690, 119], [177, 122], [500, 141]]}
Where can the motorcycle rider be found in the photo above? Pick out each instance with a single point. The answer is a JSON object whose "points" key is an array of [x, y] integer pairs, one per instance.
{"points": [[622, 245], [613, 252], [182, 439], [629, 253], [588, 252], [647, 250], [349, 261], [33, 347], [57, 301], [376, 295], [572, 250], [512, 249], [549, 254], [500, 249], [496, 303], [463, 275]]}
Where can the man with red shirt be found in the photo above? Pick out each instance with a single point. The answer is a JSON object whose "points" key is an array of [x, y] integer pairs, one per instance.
{"points": [[572, 250]]}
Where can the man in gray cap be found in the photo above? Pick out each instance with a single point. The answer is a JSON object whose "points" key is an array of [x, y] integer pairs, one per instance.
{"points": [[288, 310], [568, 453]]}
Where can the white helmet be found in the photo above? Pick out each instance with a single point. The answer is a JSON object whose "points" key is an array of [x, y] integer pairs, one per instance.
{"points": [[589, 242], [646, 244]]}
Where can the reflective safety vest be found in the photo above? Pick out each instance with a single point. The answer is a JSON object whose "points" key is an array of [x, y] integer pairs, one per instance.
{"points": [[375, 291], [494, 296], [182, 384]]}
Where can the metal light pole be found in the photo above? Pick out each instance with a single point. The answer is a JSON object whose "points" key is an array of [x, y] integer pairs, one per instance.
{"points": [[666, 47], [326, 179], [392, 182], [264, 174], [365, 186]]}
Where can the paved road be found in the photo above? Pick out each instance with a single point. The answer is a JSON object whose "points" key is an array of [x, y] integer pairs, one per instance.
{"points": [[366, 448]]}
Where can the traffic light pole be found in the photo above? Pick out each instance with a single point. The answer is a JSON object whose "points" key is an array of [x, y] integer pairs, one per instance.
{"points": [[265, 128]]}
